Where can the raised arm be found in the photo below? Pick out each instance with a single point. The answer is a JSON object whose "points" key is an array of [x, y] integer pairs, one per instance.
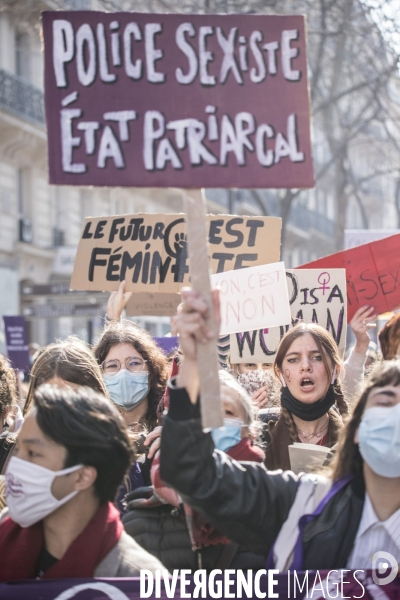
{"points": [[242, 500], [354, 366], [117, 302]]}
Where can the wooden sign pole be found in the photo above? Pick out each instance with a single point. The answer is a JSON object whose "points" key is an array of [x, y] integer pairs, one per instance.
{"points": [[211, 409]]}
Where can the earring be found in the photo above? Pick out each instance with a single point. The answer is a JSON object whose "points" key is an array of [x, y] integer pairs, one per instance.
{"points": [[282, 380], [333, 376]]}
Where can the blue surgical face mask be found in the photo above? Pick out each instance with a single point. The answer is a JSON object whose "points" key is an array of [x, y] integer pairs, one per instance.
{"points": [[127, 389], [227, 436], [379, 440]]}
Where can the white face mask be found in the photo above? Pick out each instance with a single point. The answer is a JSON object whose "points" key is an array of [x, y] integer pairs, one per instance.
{"points": [[28, 491]]}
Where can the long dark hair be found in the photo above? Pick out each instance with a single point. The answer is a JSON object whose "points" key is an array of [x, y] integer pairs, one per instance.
{"points": [[72, 361], [348, 460], [126, 332], [330, 357]]}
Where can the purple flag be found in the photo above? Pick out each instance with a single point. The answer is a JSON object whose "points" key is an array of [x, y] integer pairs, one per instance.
{"points": [[167, 343], [318, 584], [17, 342]]}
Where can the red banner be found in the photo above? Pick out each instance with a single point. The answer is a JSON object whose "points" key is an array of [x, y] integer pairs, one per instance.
{"points": [[372, 274], [189, 101]]}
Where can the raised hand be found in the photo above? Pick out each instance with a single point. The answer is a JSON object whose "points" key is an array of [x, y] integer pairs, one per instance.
{"points": [[360, 325], [117, 302], [190, 323]]}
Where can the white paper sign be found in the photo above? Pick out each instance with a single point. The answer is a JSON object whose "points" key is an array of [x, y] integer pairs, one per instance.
{"points": [[304, 458], [253, 298], [315, 296]]}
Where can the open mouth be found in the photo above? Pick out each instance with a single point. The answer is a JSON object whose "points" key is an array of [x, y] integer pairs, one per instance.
{"points": [[306, 384]]}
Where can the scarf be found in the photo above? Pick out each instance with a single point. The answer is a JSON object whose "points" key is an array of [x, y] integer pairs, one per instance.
{"points": [[246, 451], [22, 547], [308, 412]]}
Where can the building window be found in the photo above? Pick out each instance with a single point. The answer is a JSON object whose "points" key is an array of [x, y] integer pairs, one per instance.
{"points": [[24, 207], [22, 56]]}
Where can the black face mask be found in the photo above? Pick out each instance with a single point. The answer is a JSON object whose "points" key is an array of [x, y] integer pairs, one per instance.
{"points": [[308, 412]]}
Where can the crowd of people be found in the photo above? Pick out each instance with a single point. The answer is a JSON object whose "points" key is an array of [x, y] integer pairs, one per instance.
{"points": [[106, 470]]}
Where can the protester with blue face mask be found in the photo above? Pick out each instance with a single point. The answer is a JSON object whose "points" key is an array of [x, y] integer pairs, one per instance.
{"points": [[192, 542], [338, 519], [135, 372], [240, 429]]}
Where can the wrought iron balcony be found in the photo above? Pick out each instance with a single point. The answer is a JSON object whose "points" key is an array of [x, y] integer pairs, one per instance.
{"points": [[21, 98]]}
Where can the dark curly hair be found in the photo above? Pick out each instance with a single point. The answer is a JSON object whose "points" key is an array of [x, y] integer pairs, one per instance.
{"points": [[127, 332], [8, 385]]}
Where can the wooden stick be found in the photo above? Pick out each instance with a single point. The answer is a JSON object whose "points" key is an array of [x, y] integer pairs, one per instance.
{"points": [[207, 358]]}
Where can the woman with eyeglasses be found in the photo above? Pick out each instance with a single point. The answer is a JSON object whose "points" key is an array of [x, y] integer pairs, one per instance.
{"points": [[135, 372]]}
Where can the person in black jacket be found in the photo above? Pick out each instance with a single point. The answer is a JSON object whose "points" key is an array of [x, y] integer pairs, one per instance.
{"points": [[178, 536], [351, 513]]}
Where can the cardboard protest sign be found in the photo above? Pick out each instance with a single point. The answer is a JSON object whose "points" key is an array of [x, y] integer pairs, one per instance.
{"points": [[372, 274], [315, 296], [151, 251], [159, 100], [253, 298], [148, 303], [17, 342]]}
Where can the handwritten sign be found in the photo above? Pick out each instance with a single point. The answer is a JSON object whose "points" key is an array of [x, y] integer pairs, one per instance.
{"points": [[155, 100], [155, 304], [253, 298], [315, 296], [372, 274], [151, 251], [17, 342]]}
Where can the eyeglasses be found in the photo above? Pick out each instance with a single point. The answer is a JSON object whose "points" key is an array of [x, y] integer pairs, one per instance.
{"points": [[134, 364]]}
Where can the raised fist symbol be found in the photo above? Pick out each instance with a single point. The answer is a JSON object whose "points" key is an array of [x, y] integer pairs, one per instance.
{"points": [[180, 243]]}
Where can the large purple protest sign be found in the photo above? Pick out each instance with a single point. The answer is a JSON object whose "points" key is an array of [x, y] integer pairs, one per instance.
{"points": [[167, 343], [311, 584], [17, 342], [188, 101]]}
